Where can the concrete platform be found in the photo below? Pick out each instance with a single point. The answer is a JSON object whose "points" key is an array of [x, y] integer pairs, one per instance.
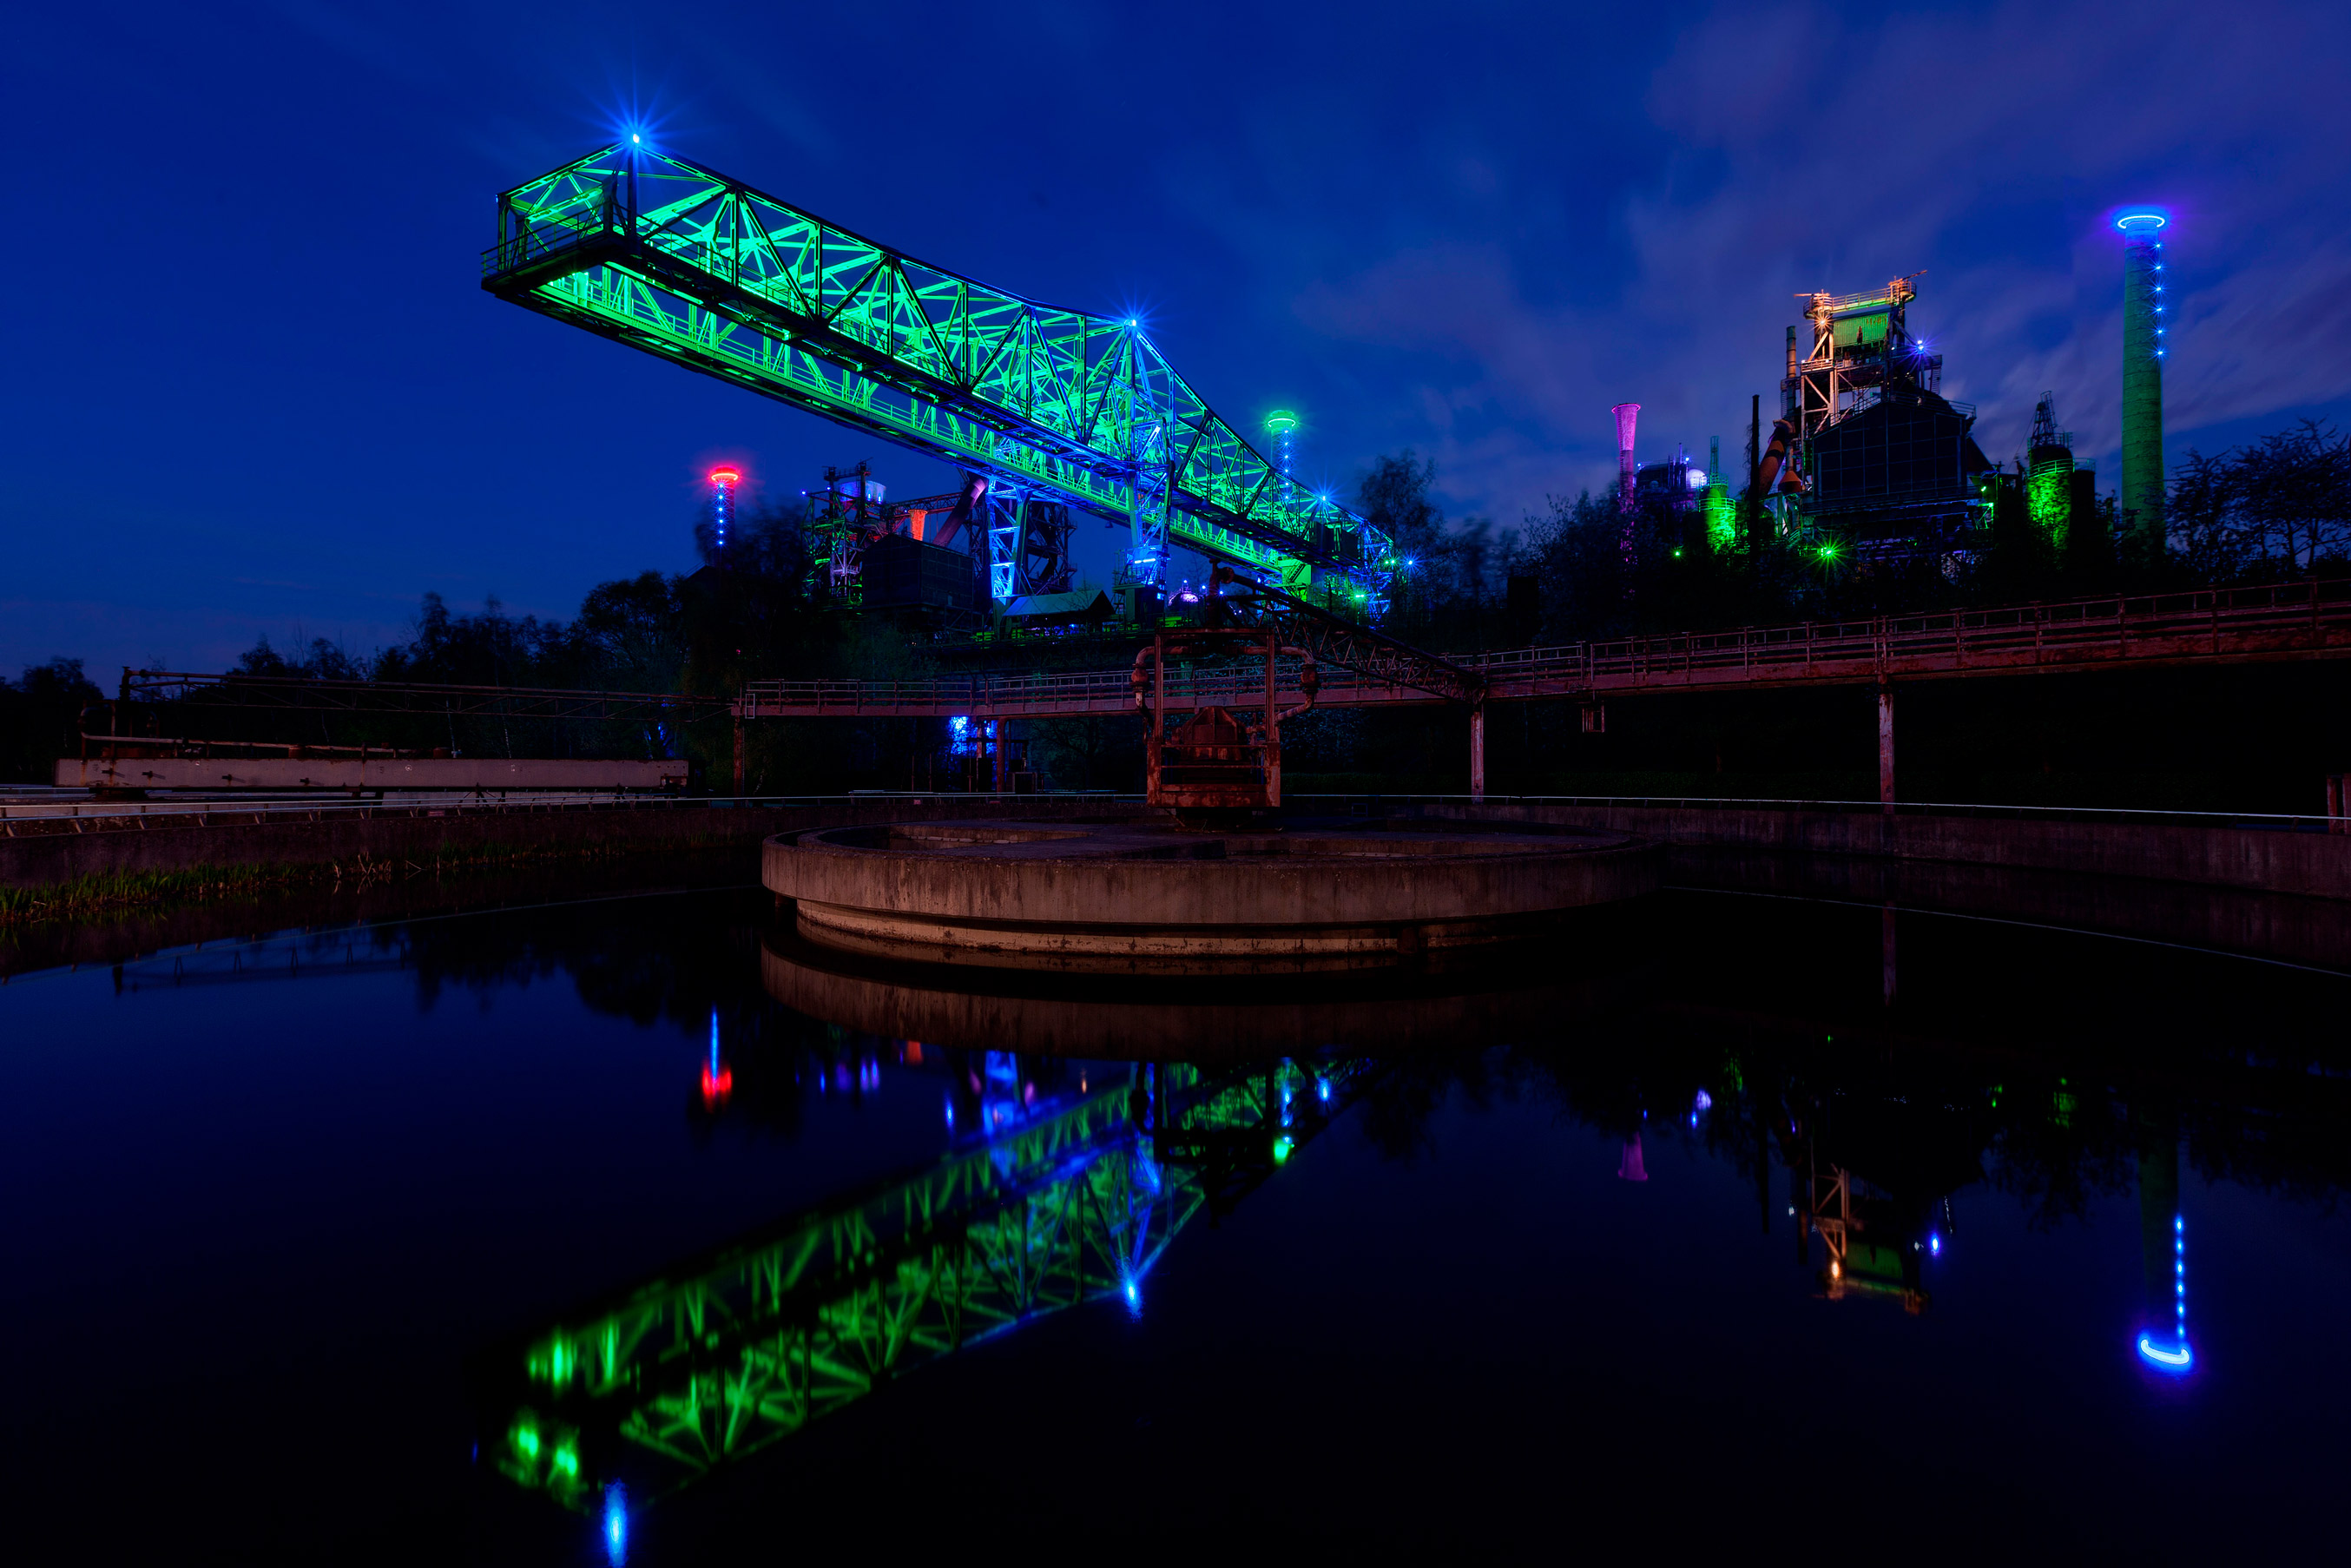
{"points": [[1141, 897]]}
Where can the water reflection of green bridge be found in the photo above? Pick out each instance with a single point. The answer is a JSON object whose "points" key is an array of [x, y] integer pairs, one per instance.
{"points": [[689, 1371]]}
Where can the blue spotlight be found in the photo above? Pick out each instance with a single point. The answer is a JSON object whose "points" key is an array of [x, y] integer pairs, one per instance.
{"points": [[616, 1524]]}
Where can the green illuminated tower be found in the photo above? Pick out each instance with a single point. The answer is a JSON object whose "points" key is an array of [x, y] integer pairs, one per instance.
{"points": [[1722, 519], [2144, 321], [2049, 487]]}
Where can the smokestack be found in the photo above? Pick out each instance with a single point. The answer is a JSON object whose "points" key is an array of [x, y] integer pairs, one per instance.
{"points": [[1627, 414], [2145, 331]]}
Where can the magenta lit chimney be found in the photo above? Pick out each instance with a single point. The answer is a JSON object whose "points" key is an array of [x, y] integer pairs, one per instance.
{"points": [[1627, 414]]}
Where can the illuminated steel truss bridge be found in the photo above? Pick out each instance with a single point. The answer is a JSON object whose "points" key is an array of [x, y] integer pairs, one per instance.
{"points": [[1045, 404], [677, 1377]]}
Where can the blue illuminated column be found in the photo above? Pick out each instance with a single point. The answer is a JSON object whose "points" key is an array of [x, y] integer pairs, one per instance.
{"points": [[1146, 554], [724, 479], [2146, 317], [1282, 425], [1008, 511]]}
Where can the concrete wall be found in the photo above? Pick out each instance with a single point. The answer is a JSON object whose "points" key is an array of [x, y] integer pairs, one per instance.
{"points": [[2311, 864], [488, 774], [2295, 927], [43, 853]]}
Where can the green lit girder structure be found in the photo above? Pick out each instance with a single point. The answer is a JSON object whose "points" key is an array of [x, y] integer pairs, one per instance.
{"points": [[1045, 403], [688, 1373]]}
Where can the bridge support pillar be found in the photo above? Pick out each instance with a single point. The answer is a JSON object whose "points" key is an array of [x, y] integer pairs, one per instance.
{"points": [[738, 751], [1477, 751], [1885, 747]]}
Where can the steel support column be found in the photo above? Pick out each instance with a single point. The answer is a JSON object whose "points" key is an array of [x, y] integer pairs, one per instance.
{"points": [[1146, 555], [1885, 747], [738, 751], [1007, 519], [1477, 751]]}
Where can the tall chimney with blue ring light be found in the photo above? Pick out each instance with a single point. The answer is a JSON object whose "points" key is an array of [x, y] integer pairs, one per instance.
{"points": [[2145, 339]]}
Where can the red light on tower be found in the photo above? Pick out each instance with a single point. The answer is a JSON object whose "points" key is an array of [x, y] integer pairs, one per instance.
{"points": [[722, 480]]}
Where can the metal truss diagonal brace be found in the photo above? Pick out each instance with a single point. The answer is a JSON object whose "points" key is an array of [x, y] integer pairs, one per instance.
{"points": [[1007, 513], [1146, 556], [1337, 641]]}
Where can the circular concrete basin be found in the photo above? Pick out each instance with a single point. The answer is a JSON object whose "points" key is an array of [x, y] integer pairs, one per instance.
{"points": [[1135, 896], [1038, 1012]]}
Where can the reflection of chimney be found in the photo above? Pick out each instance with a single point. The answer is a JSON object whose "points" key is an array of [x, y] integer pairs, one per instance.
{"points": [[1627, 414], [1629, 1167]]}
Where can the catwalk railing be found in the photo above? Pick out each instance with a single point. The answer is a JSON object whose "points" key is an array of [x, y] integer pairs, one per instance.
{"points": [[2285, 621]]}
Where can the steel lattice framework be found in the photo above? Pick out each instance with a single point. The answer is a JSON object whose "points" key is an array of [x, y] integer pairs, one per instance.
{"points": [[679, 261], [694, 1370]]}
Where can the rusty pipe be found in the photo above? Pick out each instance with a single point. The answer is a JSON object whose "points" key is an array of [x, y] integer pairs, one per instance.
{"points": [[1767, 468]]}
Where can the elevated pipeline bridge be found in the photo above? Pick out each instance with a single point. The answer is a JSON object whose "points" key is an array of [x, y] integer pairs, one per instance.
{"points": [[2288, 621], [2274, 623], [1044, 402], [676, 1377]]}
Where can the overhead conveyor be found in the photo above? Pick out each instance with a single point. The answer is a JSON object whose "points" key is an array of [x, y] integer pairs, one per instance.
{"points": [[1043, 403]]}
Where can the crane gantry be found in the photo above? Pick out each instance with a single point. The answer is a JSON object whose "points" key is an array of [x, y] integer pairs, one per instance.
{"points": [[1041, 401]]}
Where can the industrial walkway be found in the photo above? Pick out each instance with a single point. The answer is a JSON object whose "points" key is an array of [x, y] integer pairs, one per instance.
{"points": [[2291, 621]]}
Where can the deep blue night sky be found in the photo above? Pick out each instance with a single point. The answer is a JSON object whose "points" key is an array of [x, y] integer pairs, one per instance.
{"points": [[252, 386]]}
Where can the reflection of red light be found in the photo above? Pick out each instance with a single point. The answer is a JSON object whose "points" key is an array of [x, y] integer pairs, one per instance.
{"points": [[725, 476], [913, 1053], [717, 1086]]}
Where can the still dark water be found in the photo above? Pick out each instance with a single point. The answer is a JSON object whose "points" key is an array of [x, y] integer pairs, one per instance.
{"points": [[287, 1219]]}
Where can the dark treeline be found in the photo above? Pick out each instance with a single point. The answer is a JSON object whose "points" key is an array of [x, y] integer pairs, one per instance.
{"points": [[2275, 509], [2255, 738]]}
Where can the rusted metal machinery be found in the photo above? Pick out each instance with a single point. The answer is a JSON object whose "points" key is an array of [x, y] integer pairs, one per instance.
{"points": [[1217, 765]]}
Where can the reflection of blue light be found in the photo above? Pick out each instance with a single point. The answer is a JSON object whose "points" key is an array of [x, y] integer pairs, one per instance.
{"points": [[950, 1113], [1934, 1242], [1133, 1295], [1322, 1089], [714, 1042], [1704, 1102], [2178, 1358], [616, 1523]]}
